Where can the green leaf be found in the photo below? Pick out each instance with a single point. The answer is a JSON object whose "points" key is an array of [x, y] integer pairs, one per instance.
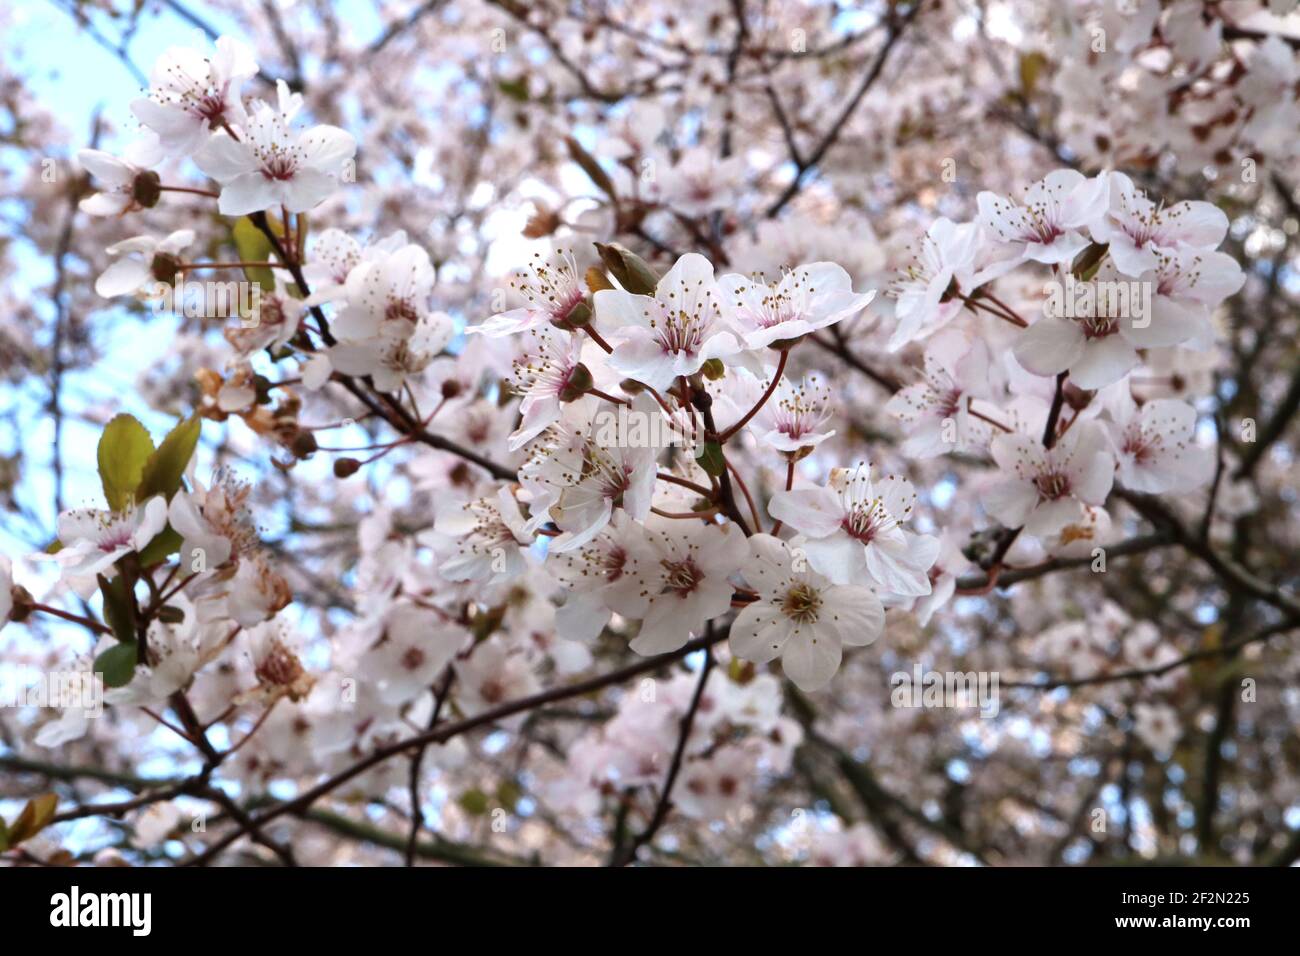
{"points": [[711, 459], [117, 664], [124, 447], [631, 271], [166, 543], [474, 802], [117, 607], [515, 89], [509, 794], [1032, 64], [254, 246], [166, 467]]}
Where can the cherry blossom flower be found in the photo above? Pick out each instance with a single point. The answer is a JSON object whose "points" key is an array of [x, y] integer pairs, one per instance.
{"points": [[605, 571], [854, 530], [1097, 345], [190, 94], [495, 674], [1045, 489], [1049, 220], [800, 616], [396, 351], [699, 182], [488, 538], [606, 468], [145, 262], [946, 255], [271, 164], [1157, 726], [118, 191], [936, 410], [549, 373], [93, 540], [415, 647], [672, 333], [794, 418], [1187, 285], [553, 288], [683, 586], [803, 300], [1155, 446], [1136, 229]]}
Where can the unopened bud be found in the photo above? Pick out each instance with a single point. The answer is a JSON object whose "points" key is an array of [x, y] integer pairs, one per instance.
{"points": [[303, 444], [542, 223], [346, 467]]}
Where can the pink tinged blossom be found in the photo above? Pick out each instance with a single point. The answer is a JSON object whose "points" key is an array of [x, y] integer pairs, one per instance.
{"points": [[946, 255], [398, 350], [854, 530], [1098, 344], [1137, 229], [803, 300], [415, 647], [494, 674], [134, 271], [395, 285], [603, 573], [116, 181], [1044, 489], [935, 410], [672, 334], [700, 183], [547, 374], [610, 469], [191, 95], [552, 288], [684, 584], [272, 164], [1155, 446], [1047, 223], [334, 254], [488, 538], [1157, 726], [800, 616], [795, 416], [1188, 285], [93, 540]]}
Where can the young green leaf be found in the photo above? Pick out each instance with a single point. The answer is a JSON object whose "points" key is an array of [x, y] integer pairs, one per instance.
{"points": [[117, 607], [117, 664], [124, 447], [166, 467], [254, 246]]}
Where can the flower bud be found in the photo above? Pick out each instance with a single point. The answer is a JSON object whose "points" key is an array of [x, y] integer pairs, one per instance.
{"points": [[346, 467], [303, 444]]}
